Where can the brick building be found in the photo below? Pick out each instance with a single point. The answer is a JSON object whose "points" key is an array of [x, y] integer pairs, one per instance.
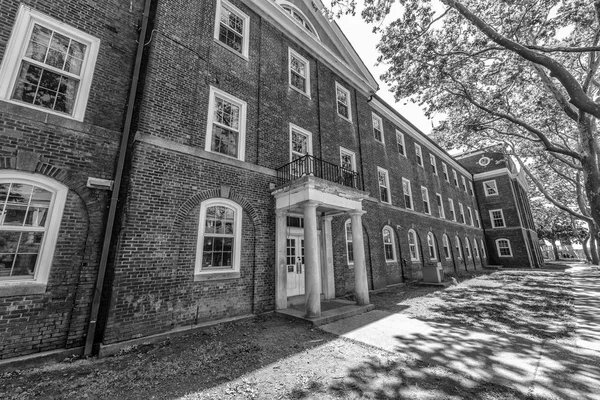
{"points": [[262, 167]]}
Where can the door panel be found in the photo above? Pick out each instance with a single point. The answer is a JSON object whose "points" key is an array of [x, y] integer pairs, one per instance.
{"points": [[295, 265]]}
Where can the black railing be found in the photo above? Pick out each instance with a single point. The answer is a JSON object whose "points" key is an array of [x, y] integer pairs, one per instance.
{"points": [[310, 165]]}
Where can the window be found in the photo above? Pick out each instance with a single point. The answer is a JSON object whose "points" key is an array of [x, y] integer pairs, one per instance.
{"points": [[452, 212], [384, 185], [482, 248], [343, 102], [458, 247], [464, 183], [455, 178], [419, 154], [299, 18], [445, 170], [471, 191], [503, 246], [462, 213], [299, 75], [446, 245], [497, 217], [468, 247], [477, 223], [490, 188], [476, 248], [377, 128], [413, 245], [431, 246], [31, 209], [300, 146], [349, 248], [48, 65], [425, 197], [470, 215], [408, 202], [219, 235], [348, 164], [226, 127], [388, 244], [433, 164], [400, 141], [232, 27], [440, 205]]}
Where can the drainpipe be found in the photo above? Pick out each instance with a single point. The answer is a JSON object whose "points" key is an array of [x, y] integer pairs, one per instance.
{"points": [[89, 342]]}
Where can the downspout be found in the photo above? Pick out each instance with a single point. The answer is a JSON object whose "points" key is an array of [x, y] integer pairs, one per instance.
{"points": [[89, 342]]}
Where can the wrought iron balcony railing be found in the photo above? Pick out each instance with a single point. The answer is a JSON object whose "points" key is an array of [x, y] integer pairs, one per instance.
{"points": [[313, 166]]}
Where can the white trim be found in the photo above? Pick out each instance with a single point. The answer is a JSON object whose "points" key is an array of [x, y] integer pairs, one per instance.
{"points": [[392, 238], [476, 249], [352, 155], [433, 163], [338, 86], [296, 128], [292, 53], [17, 45], [468, 247], [440, 206], [464, 183], [458, 246], [478, 224], [492, 185], [498, 248], [246, 35], [431, 246], [425, 198], [53, 222], [470, 212], [387, 182], [242, 122], [416, 245], [461, 209], [412, 202], [314, 32], [455, 178], [419, 155], [445, 170], [348, 222], [492, 218], [483, 254], [446, 245], [493, 174], [451, 203], [471, 188], [400, 135], [375, 117], [237, 236]]}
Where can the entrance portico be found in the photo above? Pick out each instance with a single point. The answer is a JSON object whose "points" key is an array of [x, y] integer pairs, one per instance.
{"points": [[317, 201]]}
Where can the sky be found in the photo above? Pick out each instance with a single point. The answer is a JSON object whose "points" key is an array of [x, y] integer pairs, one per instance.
{"points": [[364, 42]]}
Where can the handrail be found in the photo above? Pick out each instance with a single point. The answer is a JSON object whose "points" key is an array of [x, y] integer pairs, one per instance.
{"points": [[313, 166]]}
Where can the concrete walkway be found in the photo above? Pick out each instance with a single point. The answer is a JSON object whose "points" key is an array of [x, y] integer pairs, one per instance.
{"points": [[542, 368]]}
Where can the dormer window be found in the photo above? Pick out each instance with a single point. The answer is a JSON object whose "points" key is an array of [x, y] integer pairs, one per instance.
{"points": [[299, 17]]}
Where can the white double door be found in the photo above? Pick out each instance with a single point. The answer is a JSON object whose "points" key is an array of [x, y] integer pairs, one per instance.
{"points": [[295, 265]]}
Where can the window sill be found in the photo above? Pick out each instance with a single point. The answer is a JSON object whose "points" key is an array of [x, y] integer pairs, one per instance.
{"points": [[223, 45], [216, 276], [21, 288]]}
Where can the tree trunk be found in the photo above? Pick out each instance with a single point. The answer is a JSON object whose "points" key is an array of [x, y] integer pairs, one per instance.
{"points": [[594, 245], [556, 257], [585, 242]]}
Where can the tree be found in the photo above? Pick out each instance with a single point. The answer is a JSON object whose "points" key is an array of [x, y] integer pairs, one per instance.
{"points": [[523, 71]]}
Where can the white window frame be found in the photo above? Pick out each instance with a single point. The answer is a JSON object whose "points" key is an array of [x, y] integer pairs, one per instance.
{"points": [[349, 106], [440, 205], [237, 237], [433, 163], [400, 142], [462, 213], [53, 221], [482, 248], [413, 247], [446, 245], [245, 35], [471, 188], [214, 92], [498, 248], [477, 220], [476, 249], [445, 171], [387, 187], [470, 212], [310, 29], [425, 198], [492, 220], [292, 53], [492, 185], [453, 211], [302, 131], [346, 224], [419, 155], [15, 51], [458, 246], [412, 203], [468, 247], [388, 228], [464, 183], [350, 153], [431, 246], [455, 177], [375, 117]]}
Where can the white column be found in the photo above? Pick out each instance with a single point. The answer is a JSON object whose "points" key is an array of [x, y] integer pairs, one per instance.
{"points": [[327, 276], [361, 288], [312, 270], [280, 264]]}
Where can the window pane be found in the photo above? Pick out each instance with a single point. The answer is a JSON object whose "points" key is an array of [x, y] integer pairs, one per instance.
{"points": [[14, 215], [225, 141]]}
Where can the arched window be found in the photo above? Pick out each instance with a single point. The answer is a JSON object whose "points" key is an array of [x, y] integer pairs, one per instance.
{"points": [[219, 236], [468, 247], [31, 209], [431, 246], [482, 248], [299, 17], [476, 248], [388, 244], [446, 243], [413, 245], [349, 248], [458, 247], [503, 247]]}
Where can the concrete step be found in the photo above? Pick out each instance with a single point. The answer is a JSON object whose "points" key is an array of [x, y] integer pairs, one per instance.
{"points": [[335, 310]]}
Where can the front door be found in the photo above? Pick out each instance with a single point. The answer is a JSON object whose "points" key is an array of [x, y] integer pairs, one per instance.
{"points": [[295, 265]]}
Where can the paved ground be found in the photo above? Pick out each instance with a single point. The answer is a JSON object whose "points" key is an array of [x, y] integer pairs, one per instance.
{"points": [[544, 368]]}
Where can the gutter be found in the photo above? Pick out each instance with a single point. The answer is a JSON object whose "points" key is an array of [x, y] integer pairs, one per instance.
{"points": [[114, 201]]}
